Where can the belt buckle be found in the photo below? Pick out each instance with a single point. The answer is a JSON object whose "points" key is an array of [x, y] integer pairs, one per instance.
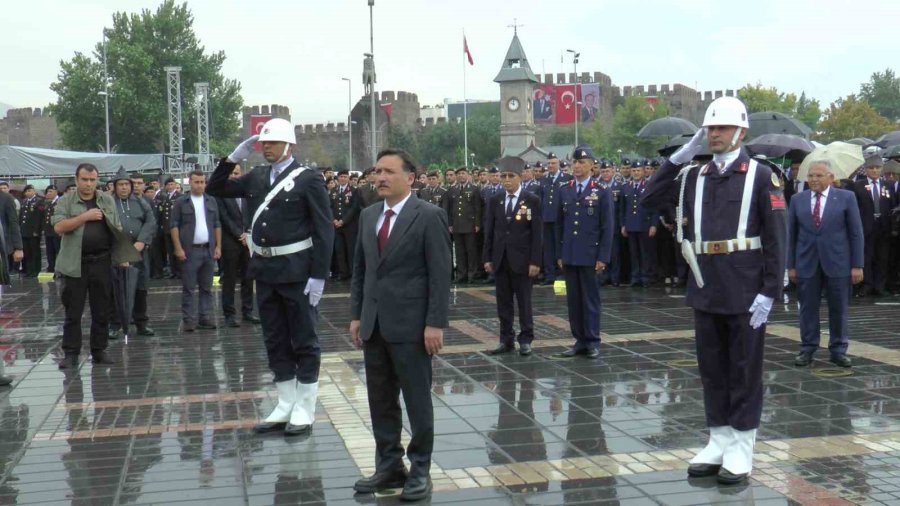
{"points": [[717, 247], [265, 251]]}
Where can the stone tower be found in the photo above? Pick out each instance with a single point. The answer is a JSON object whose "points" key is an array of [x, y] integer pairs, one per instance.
{"points": [[516, 81]]}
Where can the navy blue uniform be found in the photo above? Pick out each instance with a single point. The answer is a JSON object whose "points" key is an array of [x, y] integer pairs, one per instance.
{"points": [[611, 275], [549, 193], [729, 350], [637, 219], [584, 237]]}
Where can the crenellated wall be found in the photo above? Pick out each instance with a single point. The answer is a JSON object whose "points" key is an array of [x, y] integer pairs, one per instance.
{"points": [[29, 127]]}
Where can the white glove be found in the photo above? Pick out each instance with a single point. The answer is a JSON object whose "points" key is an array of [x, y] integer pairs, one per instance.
{"points": [[315, 287], [761, 307], [243, 150], [687, 152]]}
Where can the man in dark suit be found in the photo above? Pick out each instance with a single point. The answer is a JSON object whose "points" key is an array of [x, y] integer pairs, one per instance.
{"points": [[399, 301], [235, 257], [875, 200], [291, 239], [825, 251], [512, 253]]}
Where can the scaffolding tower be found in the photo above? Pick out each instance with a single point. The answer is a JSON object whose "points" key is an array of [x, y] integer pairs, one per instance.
{"points": [[173, 85], [202, 92]]}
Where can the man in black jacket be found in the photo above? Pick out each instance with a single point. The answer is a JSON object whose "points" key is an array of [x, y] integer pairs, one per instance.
{"points": [[31, 222]]}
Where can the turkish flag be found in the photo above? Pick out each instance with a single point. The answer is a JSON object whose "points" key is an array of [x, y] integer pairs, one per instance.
{"points": [[566, 104], [257, 122], [388, 109], [466, 50]]}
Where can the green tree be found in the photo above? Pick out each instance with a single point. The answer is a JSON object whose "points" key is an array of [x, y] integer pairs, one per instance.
{"points": [[444, 142], [882, 92], [629, 118], [315, 152], [759, 98], [851, 117], [809, 111], [139, 47]]}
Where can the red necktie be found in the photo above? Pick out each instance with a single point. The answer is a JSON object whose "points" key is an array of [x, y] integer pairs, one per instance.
{"points": [[817, 212], [385, 230]]}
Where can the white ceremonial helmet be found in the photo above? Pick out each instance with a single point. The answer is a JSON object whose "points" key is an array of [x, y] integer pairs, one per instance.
{"points": [[726, 111], [278, 130]]}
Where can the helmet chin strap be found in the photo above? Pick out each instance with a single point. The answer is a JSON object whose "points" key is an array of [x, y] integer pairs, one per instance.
{"points": [[284, 154], [734, 139]]}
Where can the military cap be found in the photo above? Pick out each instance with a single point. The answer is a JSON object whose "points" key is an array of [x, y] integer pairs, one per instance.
{"points": [[551, 156], [873, 161], [636, 164], [654, 162], [626, 162], [605, 164], [583, 152], [512, 164], [596, 162], [892, 167], [494, 170], [537, 165], [563, 164]]}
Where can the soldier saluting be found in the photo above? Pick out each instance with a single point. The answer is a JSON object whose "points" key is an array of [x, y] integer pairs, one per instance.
{"points": [[733, 240], [291, 240]]}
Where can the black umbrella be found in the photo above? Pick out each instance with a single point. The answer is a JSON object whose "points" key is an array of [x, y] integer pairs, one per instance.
{"points": [[771, 122], [667, 127], [860, 141], [892, 152], [124, 280], [778, 145], [678, 141], [889, 139]]}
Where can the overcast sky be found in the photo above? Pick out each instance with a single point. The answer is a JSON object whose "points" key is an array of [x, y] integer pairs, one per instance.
{"points": [[294, 52]]}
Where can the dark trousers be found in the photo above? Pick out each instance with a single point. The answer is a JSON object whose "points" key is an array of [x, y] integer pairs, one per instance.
{"points": [[612, 272], [158, 256], [665, 253], [643, 257], [730, 358], [877, 250], [466, 255], [197, 274], [31, 263], [289, 330], [392, 368], [95, 286], [344, 246], [51, 243], [235, 258], [809, 294], [583, 300], [510, 284], [550, 251], [623, 255], [174, 263], [893, 282]]}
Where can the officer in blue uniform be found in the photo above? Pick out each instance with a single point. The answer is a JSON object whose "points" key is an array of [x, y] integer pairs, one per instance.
{"points": [[734, 243], [291, 240], [606, 181], [639, 228], [549, 193], [584, 235]]}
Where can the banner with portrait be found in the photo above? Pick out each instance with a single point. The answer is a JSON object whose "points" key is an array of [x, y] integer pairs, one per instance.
{"points": [[543, 103], [590, 102]]}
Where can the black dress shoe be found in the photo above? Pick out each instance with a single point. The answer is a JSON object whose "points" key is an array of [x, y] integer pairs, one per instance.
{"points": [[841, 360], [188, 326], [571, 352], [5, 380], [101, 358], [231, 322], [69, 362], [297, 430], [525, 349], [803, 359], [266, 427], [703, 470], [145, 331], [503, 348], [416, 488], [252, 319], [205, 325], [381, 481], [726, 477], [593, 353]]}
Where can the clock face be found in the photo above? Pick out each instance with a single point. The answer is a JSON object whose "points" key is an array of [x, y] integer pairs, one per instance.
{"points": [[513, 104]]}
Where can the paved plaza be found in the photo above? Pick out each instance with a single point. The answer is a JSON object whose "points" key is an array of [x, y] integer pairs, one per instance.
{"points": [[170, 422]]}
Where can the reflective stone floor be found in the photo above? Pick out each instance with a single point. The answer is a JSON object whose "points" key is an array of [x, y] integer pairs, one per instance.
{"points": [[170, 423]]}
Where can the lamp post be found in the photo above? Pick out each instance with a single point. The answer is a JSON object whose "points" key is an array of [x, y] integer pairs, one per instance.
{"points": [[105, 91], [372, 94], [575, 56], [349, 123]]}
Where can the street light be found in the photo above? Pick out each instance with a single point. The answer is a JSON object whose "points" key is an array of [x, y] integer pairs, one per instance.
{"points": [[575, 56], [372, 95], [105, 92], [349, 123]]}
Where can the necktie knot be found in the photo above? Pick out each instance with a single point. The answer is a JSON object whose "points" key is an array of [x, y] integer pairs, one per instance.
{"points": [[388, 214]]}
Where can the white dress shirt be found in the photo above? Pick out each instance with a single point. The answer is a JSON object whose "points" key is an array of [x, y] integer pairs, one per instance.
{"points": [[397, 208], [822, 200], [201, 231]]}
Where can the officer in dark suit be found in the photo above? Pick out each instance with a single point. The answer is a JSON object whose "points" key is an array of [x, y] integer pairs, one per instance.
{"points": [[464, 210], [433, 193], [345, 211], [512, 253], [235, 257], [639, 229], [549, 193], [31, 223], [734, 243], [291, 240], [51, 238], [875, 200], [584, 236]]}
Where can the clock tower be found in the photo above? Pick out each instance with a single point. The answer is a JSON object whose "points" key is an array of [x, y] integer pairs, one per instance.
{"points": [[516, 117]]}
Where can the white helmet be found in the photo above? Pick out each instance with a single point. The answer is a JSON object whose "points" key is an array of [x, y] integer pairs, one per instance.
{"points": [[726, 111], [278, 130]]}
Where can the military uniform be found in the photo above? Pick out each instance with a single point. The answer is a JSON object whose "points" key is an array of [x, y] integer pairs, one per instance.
{"points": [[165, 218], [345, 207], [158, 248], [367, 195], [434, 195], [31, 223], [637, 220], [464, 209], [51, 238], [549, 193], [612, 273]]}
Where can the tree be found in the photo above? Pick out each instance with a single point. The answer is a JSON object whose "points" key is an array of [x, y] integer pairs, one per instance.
{"points": [[882, 92], [315, 152], [808, 111], [629, 118], [851, 117], [139, 47], [758, 98]]}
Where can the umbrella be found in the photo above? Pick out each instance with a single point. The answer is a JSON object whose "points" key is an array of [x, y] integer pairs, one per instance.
{"points": [[889, 139], [771, 122], [678, 141], [892, 152], [845, 158], [860, 141], [778, 145], [124, 281], [667, 127]]}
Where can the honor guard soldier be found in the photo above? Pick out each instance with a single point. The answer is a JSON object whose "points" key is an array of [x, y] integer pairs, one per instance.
{"points": [[464, 209], [344, 211], [433, 193], [549, 193], [512, 253], [31, 223], [734, 245], [51, 238], [584, 234], [291, 238], [639, 228]]}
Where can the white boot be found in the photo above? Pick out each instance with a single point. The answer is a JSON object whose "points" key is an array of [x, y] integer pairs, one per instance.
{"points": [[738, 459], [287, 398], [719, 438], [304, 412]]}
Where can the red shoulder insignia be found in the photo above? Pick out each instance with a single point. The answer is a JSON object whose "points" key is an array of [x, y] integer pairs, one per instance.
{"points": [[743, 168], [572, 184], [777, 200]]}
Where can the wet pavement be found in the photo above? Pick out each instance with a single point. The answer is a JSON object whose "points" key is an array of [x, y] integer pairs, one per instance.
{"points": [[170, 422]]}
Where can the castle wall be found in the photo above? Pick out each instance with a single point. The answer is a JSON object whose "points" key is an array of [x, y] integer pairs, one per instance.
{"points": [[29, 127]]}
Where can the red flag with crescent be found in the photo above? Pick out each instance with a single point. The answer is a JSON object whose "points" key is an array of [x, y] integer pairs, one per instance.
{"points": [[257, 121], [566, 104], [466, 50]]}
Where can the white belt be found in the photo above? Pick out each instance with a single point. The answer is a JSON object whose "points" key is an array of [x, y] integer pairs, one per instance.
{"points": [[727, 246], [287, 249]]}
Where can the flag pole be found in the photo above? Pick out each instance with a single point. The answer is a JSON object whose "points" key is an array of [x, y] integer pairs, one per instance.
{"points": [[465, 107]]}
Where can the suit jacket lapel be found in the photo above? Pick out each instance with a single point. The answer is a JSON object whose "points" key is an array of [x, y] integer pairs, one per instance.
{"points": [[407, 215], [830, 207]]}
